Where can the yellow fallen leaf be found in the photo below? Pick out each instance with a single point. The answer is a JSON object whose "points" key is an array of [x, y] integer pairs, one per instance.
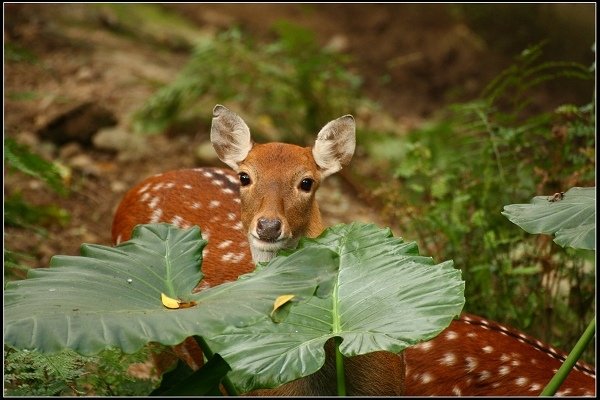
{"points": [[169, 302], [280, 301]]}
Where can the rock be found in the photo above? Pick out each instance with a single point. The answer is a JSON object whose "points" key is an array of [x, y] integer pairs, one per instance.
{"points": [[129, 146], [85, 164], [69, 150]]}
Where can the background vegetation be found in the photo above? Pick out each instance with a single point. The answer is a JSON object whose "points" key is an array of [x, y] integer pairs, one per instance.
{"points": [[442, 182]]}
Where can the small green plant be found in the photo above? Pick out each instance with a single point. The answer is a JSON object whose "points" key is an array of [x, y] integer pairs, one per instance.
{"points": [[292, 80], [31, 373], [19, 158]]}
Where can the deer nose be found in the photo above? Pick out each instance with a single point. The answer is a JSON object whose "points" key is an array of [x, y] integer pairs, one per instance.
{"points": [[268, 230]]}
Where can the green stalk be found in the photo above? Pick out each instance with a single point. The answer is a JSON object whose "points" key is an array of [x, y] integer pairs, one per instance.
{"points": [[339, 367], [209, 354], [574, 355]]}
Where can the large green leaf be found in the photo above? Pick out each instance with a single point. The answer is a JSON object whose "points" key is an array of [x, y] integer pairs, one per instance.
{"points": [[572, 217], [111, 297], [385, 297], [372, 290]]}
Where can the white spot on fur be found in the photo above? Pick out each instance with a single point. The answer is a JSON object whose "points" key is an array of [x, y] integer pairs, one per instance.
{"points": [[504, 370], [484, 375], [177, 221], [214, 204], [207, 174], [186, 186], [154, 202], [237, 200], [504, 357], [228, 191], [471, 363], [456, 391], [535, 387], [224, 244], [156, 214], [144, 188], [521, 381], [426, 378], [196, 205], [448, 359], [217, 183], [471, 334], [488, 349], [227, 257], [145, 197], [451, 335], [239, 226], [170, 185], [158, 186], [424, 346], [119, 238], [231, 216]]}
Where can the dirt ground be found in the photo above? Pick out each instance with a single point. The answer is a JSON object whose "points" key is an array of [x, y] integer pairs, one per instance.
{"points": [[80, 78]]}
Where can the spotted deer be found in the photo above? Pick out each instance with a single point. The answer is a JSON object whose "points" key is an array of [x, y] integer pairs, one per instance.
{"points": [[265, 203], [247, 214]]}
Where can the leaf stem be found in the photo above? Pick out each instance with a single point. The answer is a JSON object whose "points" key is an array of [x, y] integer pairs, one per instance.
{"points": [[572, 358], [339, 366], [231, 391]]}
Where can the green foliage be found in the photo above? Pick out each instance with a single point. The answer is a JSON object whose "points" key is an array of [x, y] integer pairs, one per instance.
{"points": [[21, 158], [30, 373], [570, 215], [449, 181], [291, 80], [14, 52], [111, 297], [18, 212]]}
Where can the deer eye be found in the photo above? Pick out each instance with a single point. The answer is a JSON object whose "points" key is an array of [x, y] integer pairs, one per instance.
{"points": [[306, 184], [245, 179]]}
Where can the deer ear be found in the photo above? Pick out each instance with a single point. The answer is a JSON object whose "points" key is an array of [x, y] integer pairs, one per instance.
{"points": [[230, 136], [335, 145]]}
